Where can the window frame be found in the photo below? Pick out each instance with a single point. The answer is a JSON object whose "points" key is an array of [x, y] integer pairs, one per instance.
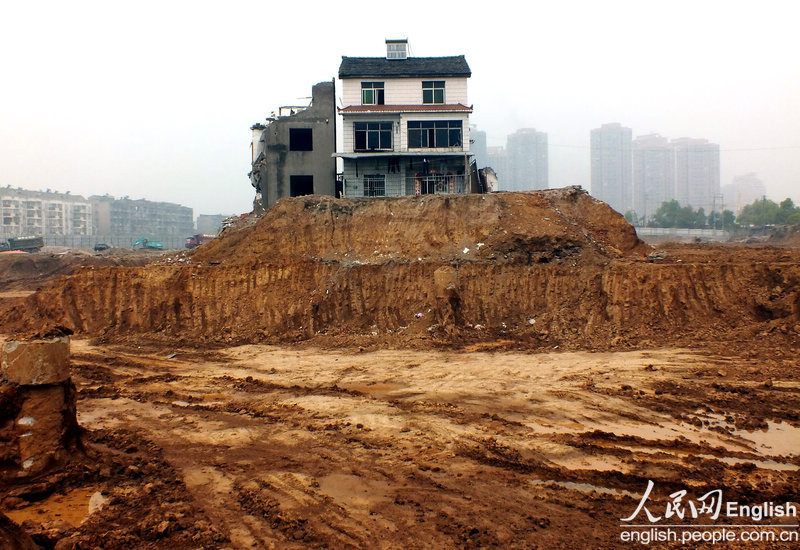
{"points": [[301, 139], [375, 91], [377, 132], [433, 92], [435, 134]]}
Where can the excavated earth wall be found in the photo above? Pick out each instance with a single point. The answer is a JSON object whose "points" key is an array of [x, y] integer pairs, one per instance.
{"points": [[540, 269]]}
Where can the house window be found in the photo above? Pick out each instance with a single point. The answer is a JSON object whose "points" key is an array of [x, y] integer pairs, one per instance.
{"points": [[433, 91], [301, 185], [375, 185], [372, 93], [373, 136], [434, 133], [300, 139]]}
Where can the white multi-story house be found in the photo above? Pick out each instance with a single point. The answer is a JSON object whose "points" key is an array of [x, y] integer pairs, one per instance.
{"points": [[406, 124]]}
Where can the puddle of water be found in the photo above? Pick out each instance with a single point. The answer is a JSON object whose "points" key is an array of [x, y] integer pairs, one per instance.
{"points": [[779, 439], [583, 487], [72, 508]]}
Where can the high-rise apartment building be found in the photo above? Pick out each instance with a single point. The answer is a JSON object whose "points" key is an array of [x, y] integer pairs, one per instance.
{"points": [[24, 212], [478, 146], [498, 160], [527, 161], [697, 173], [653, 174], [133, 219], [744, 190], [611, 166]]}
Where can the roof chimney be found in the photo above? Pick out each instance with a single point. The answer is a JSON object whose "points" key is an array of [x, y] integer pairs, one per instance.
{"points": [[397, 48]]}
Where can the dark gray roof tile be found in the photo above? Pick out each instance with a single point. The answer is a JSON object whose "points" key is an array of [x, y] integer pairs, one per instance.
{"points": [[380, 67]]}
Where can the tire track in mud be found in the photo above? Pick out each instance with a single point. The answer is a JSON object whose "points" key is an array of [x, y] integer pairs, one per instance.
{"points": [[301, 447]]}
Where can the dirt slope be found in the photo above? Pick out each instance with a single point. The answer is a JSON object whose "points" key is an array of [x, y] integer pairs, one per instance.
{"points": [[541, 269]]}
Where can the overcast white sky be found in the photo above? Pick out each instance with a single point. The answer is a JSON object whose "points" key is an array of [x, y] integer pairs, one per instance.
{"points": [[154, 99]]}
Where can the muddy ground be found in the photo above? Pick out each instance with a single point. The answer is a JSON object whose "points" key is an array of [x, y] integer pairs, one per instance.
{"points": [[296, 447], [528, 408]]}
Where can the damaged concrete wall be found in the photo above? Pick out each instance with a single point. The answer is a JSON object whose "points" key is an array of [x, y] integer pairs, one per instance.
{"points": [[277, 163]]}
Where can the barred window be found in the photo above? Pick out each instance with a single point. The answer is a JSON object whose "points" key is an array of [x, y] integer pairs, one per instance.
{"points": [[375, 185]]}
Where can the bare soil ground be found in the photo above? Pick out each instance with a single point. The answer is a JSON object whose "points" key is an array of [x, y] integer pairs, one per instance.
{"points": [[292, 447], [214, 416]]}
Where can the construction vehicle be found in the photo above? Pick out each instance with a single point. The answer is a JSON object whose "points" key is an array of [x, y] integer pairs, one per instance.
{"points": [[33, 243], [150, 245], [196, 240]]}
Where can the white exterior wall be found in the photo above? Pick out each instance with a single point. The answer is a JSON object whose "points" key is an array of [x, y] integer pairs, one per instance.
{"points": [[405, 91]]}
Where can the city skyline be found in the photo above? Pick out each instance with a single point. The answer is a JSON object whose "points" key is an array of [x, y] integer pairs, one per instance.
{"points": [[93, 108]]}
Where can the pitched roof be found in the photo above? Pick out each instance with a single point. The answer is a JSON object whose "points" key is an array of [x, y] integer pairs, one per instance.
{"points": [[380, 67], [455, 107]]}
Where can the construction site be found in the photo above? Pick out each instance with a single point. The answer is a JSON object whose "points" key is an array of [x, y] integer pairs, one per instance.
{"points": [[503, 370]]}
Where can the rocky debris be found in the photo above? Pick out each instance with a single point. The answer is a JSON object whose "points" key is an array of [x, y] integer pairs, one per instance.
{"points": [[38, 425], [13, 537]]}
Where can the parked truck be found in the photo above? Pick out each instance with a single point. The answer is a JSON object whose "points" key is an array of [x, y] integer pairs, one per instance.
{"points": [[32, 243], [196, 240], [148, 244]]}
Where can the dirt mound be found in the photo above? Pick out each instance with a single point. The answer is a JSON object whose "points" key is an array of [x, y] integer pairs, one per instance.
{"points": [[534, 227], [30, 271], [785, 235], [540, 270]]}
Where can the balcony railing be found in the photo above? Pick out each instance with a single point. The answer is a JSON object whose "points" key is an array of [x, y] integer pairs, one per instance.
{"points": [[434, 184]]}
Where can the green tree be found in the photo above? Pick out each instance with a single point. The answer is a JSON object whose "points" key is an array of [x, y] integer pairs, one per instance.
{"points": [[763, 212], [632, 218], [722, 220], [667, 214], [788, 212], [728, 219], [672, 214]]}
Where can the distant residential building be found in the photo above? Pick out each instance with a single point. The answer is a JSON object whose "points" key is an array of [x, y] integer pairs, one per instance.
{"points": [[653, 174], [133, 219], [527, 161], [611, 166], [479, 147], [48, 213], [291, 155], [697, 173], [406, 124], [744, 190], [210, 223]]}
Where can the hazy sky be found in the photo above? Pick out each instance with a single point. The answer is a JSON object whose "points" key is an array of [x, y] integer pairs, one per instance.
{"points": [[155, 99]]}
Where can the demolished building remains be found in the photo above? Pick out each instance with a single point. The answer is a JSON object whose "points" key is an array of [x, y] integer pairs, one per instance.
{"points": [[292, 152]]}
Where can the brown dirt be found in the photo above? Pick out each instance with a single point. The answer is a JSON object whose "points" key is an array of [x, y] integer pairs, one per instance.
{"points": [[369, 426], [21, 272]]}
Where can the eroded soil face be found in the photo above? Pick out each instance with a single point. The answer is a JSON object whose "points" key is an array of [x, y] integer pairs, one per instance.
{"points": [[500, 371], [289, 447]]}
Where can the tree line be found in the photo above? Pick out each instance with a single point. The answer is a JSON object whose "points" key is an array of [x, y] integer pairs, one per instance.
{"points": [[760, 212]]}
